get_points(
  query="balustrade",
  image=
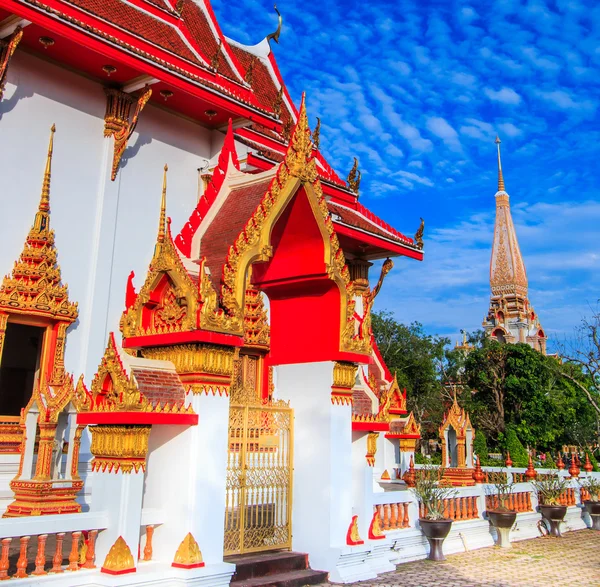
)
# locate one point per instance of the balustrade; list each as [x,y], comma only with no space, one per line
[148,545]
[518,502]
[457,508]
[393,516]
[81,554]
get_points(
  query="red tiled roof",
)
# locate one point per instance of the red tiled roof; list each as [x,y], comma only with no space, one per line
[159,385]
[202,34]
[228,223]
[358,219]
[262,83]
[138,23]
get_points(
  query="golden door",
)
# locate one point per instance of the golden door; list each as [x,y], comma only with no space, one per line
[258,505]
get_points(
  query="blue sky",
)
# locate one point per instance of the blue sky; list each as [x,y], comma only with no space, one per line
[417,91]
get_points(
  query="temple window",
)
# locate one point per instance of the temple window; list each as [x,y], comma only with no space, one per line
[19,366]
[499,336]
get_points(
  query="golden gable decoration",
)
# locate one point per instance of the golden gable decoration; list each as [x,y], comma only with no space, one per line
[253,243]
[172,307]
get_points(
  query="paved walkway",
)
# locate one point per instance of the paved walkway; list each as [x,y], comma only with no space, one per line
[573,560]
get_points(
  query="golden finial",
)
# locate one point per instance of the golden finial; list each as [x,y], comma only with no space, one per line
[354,177]
[162,225]
[45,198]
[275,35]
[500,176]
[317,134]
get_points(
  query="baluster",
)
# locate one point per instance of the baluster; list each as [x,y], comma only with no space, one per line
[394,519]
[465,509]
[517,500]
[528,501]
[90,553]
[4,559]
[405,520]
[58,556]
[148,545]
[74,554]
[475,512]
[22,562]
[386,517]
[470,508]
[40,559]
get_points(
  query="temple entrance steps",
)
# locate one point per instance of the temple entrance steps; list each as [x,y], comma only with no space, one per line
[274,569]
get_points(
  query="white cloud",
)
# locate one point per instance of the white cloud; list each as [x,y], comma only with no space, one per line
[408,179]
[504,95]
[440,128]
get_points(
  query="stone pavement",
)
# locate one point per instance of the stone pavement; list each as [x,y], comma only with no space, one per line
[573,560]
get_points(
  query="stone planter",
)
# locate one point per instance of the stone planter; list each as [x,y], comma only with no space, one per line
[503,521]
[554,515]
[436,532]
[593,509]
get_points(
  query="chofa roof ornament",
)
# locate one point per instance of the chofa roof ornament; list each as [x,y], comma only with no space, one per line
[277,33]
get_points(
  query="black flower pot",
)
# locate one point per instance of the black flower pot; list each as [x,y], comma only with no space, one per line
[503,522]
[593,509]
[435,532]
[554,514]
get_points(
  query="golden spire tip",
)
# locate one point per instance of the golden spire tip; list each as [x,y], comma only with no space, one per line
[163,208]
[500,175]
[45,197]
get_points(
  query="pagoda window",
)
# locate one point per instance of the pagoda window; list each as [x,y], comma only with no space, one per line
[452,448]
[19,366]
[499,336]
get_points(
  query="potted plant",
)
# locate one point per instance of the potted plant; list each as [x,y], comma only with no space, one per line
[431,495]
[592,504]
[502,517]
[549,490]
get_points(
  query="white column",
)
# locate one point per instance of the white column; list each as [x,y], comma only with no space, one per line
[322,496]
[119,494]
[187,468]
[362,484]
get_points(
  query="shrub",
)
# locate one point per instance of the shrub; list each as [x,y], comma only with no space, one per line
[480,447]
[518,454]
[549,463]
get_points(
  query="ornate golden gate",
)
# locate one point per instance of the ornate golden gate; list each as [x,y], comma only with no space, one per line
[259,474]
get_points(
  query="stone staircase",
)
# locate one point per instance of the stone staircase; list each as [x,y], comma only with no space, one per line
[274,569]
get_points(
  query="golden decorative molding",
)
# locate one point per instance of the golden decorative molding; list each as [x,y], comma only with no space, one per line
[120,123]
[51,399]
[249,76]
[119,448]
[278,102]
[353,537]
[195,358]
[372,438]
[256,319]
[188,555]
[7,48]
[344,375]
[34,287]
[119,559]
[112,389]
[341,399]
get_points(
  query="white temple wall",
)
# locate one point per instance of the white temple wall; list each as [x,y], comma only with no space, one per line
[103,229]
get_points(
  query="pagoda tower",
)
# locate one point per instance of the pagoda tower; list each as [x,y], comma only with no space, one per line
[511,318]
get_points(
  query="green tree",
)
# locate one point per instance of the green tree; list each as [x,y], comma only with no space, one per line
[416,359]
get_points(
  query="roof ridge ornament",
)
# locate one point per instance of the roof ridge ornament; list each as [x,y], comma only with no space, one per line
[162,223]
[500,176]
[7,48]
[419,235]
[299,158]
[354,178]
[277,33]
[317,134]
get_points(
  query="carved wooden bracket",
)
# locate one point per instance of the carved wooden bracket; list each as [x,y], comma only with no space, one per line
[119,122]
[7,47]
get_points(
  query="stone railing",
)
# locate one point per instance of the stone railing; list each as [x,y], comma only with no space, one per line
[69,550]
[457,508]
[393,516]
[567,497]
[518,502]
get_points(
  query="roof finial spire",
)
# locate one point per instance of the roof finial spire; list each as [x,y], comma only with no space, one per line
[45,198]
[500,176]
[277,33]
[162,225]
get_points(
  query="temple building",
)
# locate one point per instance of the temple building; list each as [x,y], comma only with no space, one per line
[511,318]
[208,384]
